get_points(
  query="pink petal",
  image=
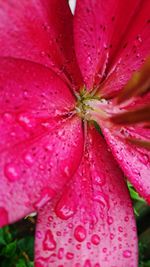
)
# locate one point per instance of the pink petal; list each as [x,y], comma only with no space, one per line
[134,161]
[40,31]
[132,52]
[40,145]
[100,27]
[98,228]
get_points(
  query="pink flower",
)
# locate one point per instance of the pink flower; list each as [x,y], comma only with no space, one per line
[52,158]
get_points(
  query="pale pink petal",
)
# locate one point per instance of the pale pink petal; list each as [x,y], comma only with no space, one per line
[95,227]
[40,31]
[40,142]
[100,27]
[133,50]
[134,161]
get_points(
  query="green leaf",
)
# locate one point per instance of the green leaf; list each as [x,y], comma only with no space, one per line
[9,250]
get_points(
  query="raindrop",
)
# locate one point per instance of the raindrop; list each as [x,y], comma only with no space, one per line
[11,172]
[127,253]
[60,253]
[26,121]
[46,195]
[110,220]
[49,243]
[120,229]
[69,255]
[64,212]
[39,234]
[95,239]
[87,263]
[8,117]
[28,159]
[80,233]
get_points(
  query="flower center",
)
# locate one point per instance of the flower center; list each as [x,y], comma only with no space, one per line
[89,106]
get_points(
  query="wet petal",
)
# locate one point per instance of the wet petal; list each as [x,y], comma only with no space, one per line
[40,31]
[133,51]
[99,29]
[133,159]
[95,226]
[40,145]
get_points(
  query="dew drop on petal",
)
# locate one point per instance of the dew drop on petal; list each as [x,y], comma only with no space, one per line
[60,253]
[120,229]
[26,121]
[69,255]
[46,195]
[109,220]
[87,263]
[3,217]
[49,242]
[127,253]
[8,117]
[95,239]
[80,233]
[64,212]
[28,159]
[11,172]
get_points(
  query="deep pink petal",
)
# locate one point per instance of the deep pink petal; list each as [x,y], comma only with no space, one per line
[40,31]
[98,227]
[100,27]
[132,52]
[134,161]
[40,146]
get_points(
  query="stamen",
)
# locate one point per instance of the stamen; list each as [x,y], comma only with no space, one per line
[141,115]
[140,143]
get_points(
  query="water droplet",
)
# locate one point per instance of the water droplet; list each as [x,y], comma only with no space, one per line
[58,233]
[110,220]
[87,263]
[46,195]
[8,117]
[49,243]
[60,253]
[78,246]
[66,171]
[69,255]
[99,180]
[26,121]
[39,234]
[104,250]
[95,239]
[127,253]
[11,172]
[80,233]
[112,236]
[120,229]
[126,218]
[28,159]
[3,217]
[64,212]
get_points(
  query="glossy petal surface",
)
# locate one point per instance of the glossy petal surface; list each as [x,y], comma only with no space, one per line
[40,145]
[95,226]
[99,28]
[133,50]
[40,31]
[134,161]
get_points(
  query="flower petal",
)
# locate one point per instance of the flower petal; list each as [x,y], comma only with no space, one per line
[134,160]
[98,228]
[40,31]
[40,147]
[132,52]
[99,29]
